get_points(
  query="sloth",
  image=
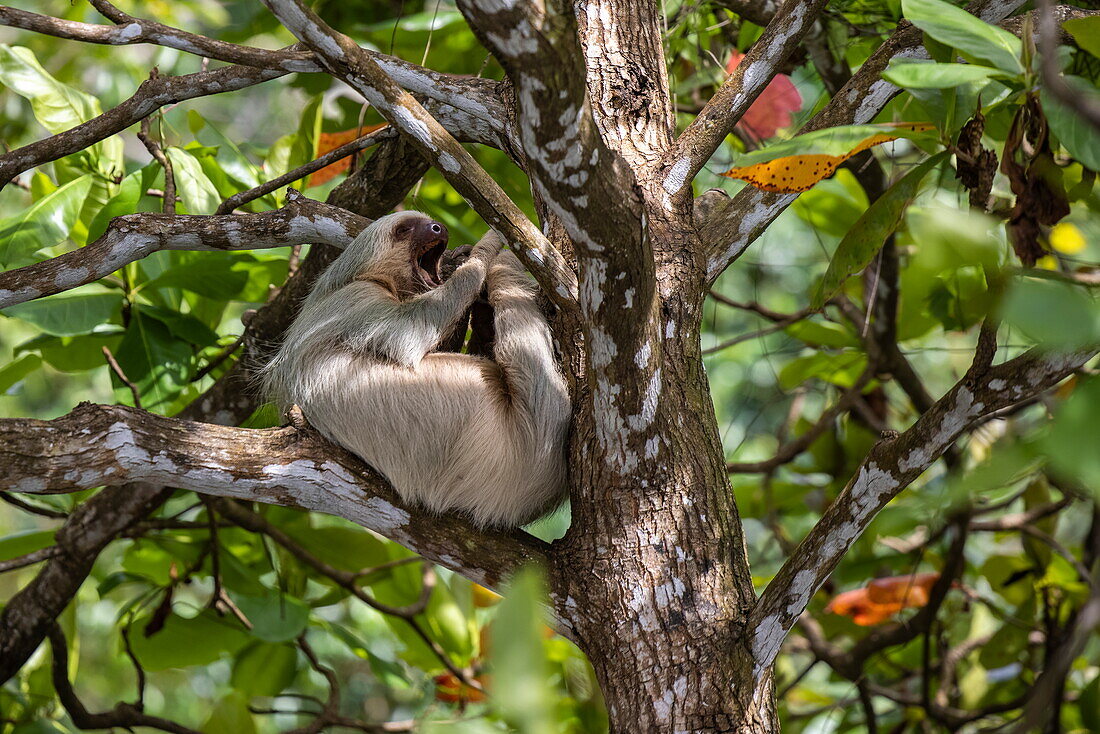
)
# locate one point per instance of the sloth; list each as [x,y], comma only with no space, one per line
[451,432]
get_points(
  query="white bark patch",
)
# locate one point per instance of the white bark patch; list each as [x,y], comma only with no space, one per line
[652,447]
[417,128]
[951,425]
[593,281]
[129,32]
[641,359]
[802,588]
[669,593]
[628,297]
[677,176]
[448,163]
[766,642]
[320,229]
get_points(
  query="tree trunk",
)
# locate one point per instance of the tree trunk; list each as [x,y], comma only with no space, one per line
[657,588]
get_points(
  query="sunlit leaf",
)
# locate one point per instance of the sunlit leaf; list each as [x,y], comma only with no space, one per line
[870,231]
[45,223]
[951,25]
[69,314]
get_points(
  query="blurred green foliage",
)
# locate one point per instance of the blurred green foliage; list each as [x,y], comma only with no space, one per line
[166,317]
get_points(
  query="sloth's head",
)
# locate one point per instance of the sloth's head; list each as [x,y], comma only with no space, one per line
[423,240]
[401,250]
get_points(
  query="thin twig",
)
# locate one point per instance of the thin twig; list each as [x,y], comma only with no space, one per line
[169,201]
[29,559]
[240,199]
[122,376]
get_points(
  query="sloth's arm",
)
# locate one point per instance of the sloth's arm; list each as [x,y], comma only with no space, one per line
[437,311]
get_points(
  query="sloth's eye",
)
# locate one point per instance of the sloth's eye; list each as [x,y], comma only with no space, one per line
[404,229]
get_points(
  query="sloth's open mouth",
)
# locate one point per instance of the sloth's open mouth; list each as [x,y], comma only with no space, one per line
[427,263]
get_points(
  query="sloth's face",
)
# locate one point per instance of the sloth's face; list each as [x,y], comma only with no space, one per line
[426,241]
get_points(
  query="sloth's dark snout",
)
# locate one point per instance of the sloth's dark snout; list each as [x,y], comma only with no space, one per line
[430,233]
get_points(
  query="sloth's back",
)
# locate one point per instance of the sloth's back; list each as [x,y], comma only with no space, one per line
[443,434]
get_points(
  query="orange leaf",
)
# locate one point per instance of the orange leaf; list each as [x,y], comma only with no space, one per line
[796,173]
[772,109]
[912,591]
[331,141]
[483,597]
[883,598]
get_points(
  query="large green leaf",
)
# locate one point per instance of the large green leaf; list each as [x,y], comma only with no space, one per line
[968,34]
[123,203]
[154,359]
[198,193]
[1056,315]
[69,314]
[264,669]
[870,231]
[928,75]
[1075,133]
[211,276]
[27,541]
[45,223]
[16,370]
[57,106]
[1086,31]
[183,641]
[275,617]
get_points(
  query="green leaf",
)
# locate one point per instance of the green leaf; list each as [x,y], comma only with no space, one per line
[521,693]
[1055,315]
[275,617]
[184,642]
[57,106]
[124,202]
[183,326]
[1075,133]
[198,193]
[212,276]
[73,353]
[1089,704]
[264,669]
[45,223]
[68,314]
[867,237]
[230,716]
[18,369]
[1086,32]
[26,541]
[971,35]
[349,549]
[154,359]
[822,334]
[1073,445]
[928,75]
[841,369]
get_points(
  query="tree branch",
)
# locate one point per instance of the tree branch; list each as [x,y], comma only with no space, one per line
[134,236]
[468,106]
[721,114]
[345,59]
[129,30]
[98,445]
[150,96]
[890,467]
